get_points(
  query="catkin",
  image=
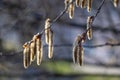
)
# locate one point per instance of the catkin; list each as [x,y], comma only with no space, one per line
[39,51]
[33,48]
[32,51]
[26,55]
[75,52]
[89,28]
[81,53]
[47,25]
[83,3]
[50,45]
[89,5]
[75,48]
[71,10]
[89,33]
[115,2]
[77,3]
[66,2]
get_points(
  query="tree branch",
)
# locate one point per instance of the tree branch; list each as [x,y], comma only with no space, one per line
[99,8]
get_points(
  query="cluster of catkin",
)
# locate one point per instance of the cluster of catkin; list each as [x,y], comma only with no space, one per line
[78,50]
[79,3]
[34,48]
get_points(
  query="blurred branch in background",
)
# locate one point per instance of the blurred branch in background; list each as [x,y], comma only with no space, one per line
[95,27]
[53,69]
[65,45]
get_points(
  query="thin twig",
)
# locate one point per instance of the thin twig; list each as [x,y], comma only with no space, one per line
[102,45]
[99,8]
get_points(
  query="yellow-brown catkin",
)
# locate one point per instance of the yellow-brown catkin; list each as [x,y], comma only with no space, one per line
[33,48]
[66,2]
[83,3]
[115,2]
[89,28]
[26,57]
[81,53]
[89,33]
[32,51]
[71,10]
[50,45]
[89,5]
[39,47]
[47,25]
[75,49]
[75,53]
[77,3]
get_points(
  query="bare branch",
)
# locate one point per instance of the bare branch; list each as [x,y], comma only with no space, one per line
[99,8]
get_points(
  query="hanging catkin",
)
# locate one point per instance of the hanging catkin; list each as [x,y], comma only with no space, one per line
[81,53]
[77,3]
[66,2]
[75,48]
[75,52]
[26,55]
[89,5]
[83,3]
[47,26]
[89,28]
[89,33]
[39,48]
[115,2]
[32,51]
[50,45]
[33,48]
[71,10]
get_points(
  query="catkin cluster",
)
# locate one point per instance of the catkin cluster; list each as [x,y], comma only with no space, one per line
[33,49]
[79,3]
[78,50]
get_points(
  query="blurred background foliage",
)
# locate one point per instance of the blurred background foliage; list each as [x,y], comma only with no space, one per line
[21,19]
